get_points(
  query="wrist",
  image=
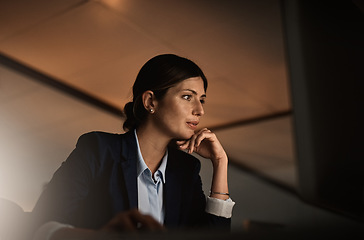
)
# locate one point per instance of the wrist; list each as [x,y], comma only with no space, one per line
[220,162]
[219,195]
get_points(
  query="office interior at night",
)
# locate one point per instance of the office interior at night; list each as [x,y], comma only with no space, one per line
[285,98]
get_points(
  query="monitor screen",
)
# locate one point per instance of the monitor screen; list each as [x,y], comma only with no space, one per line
[324,43]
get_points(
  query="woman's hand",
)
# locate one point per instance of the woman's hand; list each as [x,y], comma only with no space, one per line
[131,221]
[205,143]
[124,222]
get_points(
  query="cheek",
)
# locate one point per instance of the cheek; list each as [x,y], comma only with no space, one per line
[168,117]
[174,113]
[180,113]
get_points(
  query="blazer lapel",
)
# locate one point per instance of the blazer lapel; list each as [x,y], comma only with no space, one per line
[128,162]
[172,191]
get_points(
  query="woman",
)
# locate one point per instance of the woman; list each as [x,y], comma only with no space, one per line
[145,178]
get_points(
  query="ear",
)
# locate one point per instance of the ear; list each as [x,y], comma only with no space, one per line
[149,101]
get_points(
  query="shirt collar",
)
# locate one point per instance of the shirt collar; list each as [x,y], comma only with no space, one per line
[141,166]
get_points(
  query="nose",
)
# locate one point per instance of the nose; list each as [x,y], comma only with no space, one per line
[198,109]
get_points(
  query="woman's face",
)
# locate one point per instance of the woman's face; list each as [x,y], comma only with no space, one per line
[178,114]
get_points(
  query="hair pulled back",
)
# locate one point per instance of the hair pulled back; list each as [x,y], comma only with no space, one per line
[158,75]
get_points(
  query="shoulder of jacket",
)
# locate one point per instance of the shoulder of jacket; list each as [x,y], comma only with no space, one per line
[100,134]
[97,137]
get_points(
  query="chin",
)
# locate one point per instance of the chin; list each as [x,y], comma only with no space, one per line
[187,136]
[183,136]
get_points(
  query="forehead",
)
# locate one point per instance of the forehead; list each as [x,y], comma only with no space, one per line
[196,84]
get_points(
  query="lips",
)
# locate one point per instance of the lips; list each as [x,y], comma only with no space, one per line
[192,124]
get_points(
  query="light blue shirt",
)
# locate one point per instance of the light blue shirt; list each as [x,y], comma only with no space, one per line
[150,188]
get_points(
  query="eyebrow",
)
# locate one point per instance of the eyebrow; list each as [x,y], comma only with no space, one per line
[194,92]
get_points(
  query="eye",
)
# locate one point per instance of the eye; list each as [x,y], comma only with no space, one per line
[202,101]
[187,97]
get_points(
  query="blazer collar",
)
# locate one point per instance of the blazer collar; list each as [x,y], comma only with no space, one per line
[129,166]
[172,187]
[172,190]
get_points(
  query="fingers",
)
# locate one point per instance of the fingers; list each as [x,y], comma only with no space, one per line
[132,221]
[204,133]
[121,222]
[182,144]
[146,222]
[194,142]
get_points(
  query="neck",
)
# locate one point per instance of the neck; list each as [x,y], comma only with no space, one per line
[152,145]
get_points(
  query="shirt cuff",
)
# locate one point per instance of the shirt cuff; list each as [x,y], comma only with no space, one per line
[219,207]
[46,230]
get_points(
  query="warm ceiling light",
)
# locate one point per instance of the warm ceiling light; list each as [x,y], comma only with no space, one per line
[116,4]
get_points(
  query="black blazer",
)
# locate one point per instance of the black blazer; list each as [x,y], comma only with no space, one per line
[99,180]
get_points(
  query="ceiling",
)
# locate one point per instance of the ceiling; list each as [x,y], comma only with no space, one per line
[98,46]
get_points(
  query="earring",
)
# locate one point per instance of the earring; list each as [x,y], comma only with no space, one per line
[151,110]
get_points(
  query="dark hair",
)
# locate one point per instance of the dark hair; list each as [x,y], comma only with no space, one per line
[158,75]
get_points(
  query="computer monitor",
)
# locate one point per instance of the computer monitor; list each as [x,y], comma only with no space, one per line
[325,54]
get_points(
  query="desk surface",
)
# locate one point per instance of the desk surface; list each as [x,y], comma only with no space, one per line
[271,234]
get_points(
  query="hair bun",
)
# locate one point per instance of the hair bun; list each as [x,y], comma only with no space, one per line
[130,121]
